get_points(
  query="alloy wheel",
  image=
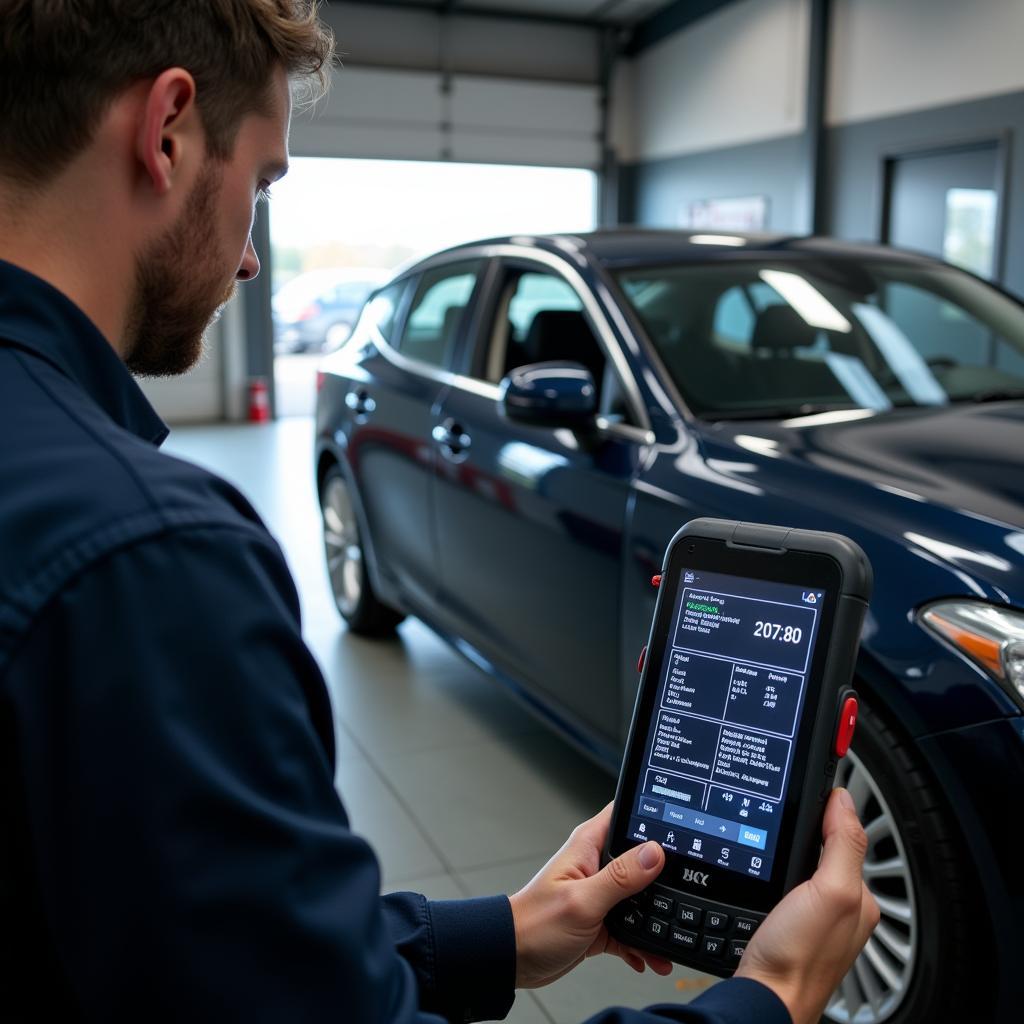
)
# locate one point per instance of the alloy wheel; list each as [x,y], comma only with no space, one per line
[343,549]
[877,983]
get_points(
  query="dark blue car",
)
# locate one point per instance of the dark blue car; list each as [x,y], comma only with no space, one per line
[517,427]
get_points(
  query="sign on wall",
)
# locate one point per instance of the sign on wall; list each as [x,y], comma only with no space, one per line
[738,213]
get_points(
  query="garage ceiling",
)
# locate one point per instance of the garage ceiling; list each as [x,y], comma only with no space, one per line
[586,12]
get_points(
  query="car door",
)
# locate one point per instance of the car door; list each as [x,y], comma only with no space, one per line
[393,408]
[529,518]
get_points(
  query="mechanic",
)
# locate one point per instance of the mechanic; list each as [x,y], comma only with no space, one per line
[173,846]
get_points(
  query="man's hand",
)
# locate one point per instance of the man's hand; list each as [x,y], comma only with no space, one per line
[559,915]
[810,940]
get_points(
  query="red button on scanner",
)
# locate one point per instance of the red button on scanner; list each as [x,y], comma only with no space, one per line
[847,723]
[656,580]
[642,659]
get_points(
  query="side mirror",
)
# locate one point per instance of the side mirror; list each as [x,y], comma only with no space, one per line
[550,394]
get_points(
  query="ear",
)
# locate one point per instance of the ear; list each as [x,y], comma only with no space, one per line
[168,118]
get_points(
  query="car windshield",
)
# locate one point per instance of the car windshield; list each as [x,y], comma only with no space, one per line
[778,338]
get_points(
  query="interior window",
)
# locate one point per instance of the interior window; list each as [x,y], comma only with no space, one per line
[437,310]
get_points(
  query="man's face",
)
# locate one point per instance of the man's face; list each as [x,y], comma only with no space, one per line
[184,278]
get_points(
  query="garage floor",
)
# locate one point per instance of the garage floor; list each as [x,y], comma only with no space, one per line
[460,791]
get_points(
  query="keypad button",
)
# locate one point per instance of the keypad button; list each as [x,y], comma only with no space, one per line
[713,945]
[683,937]
[734,951]
[716,921]
[633,919]
[662,904]
[658,928]
[689,915]
[744,927]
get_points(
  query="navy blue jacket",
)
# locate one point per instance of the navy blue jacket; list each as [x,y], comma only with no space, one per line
[171,843]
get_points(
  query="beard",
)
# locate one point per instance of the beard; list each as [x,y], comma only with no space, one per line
[179,287]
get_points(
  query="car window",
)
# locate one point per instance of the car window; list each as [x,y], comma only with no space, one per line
[734,318]
[948,334]
[534,293]
[437,310]
[382,310]
[540,317]
[774,339]
[737,310]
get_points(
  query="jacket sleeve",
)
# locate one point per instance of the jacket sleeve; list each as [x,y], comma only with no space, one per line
[736,1001]
[463,953]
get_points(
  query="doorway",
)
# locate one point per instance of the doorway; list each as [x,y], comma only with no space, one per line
[340,227]
[947,203]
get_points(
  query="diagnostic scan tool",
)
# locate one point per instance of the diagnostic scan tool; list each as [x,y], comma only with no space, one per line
[743,711]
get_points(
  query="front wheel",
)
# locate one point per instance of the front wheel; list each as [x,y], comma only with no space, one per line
[917,964]
[359,606]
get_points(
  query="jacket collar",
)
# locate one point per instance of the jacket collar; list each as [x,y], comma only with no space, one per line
[36,316]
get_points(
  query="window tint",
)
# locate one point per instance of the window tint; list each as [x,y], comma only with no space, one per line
[437,311]
[737,310]
[780,339]
[352,293]
[734,318]
[540,318]
[382,310]
[945,332]
[536,292]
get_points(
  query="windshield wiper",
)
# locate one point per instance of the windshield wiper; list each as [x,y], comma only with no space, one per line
[781,412]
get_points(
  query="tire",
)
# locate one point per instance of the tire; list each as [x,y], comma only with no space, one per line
[353,594]
[918,962]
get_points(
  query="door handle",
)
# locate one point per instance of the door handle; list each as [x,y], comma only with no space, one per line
[360,402]
[453,440]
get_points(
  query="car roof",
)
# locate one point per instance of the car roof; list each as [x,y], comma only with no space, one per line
[637,247]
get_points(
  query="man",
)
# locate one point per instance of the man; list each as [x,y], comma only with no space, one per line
[172,845]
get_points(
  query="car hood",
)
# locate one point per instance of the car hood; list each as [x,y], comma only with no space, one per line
[966,458]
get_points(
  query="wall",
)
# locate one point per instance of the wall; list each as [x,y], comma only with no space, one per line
[855,154]
[903,75]
[916,75]
[659,192]
[215,389]
[889,58]
[194,397]
[716,111]
[734,77]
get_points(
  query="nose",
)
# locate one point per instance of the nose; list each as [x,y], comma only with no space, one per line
[250,265]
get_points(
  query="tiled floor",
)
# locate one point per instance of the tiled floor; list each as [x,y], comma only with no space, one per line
[460,791]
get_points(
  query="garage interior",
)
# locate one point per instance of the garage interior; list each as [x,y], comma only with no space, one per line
[793,117]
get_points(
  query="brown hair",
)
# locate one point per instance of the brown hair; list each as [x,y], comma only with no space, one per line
[63,61]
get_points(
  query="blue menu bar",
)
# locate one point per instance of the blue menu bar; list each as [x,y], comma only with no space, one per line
[698,821]
[684,817]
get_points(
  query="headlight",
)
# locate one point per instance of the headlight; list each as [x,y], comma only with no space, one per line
[991,637]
